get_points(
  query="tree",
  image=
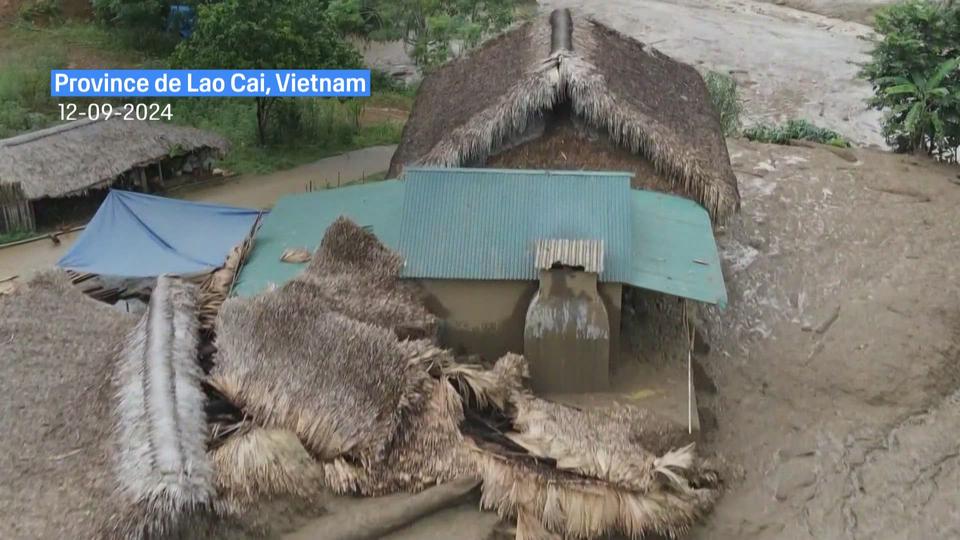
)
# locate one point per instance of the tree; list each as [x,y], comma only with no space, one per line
[433,30]
[914,79]
[265,34]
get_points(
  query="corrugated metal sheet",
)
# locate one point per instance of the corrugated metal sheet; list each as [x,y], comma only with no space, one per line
[673,248]
[301,221]
[484,223]
[587,254]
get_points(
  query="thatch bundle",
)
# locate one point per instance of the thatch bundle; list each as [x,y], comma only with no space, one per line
[352,273]
[645,102]
[216,286]
[159,444]
[259,463]
[74,157]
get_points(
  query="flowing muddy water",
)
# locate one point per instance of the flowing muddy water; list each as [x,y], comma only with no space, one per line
[255,191]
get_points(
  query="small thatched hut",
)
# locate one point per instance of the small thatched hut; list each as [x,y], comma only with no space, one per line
[39,169]
[571,93]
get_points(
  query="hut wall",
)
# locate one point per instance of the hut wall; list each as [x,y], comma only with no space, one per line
[487,318]
[16,213]
[567,143]
[16,216]
[60,211]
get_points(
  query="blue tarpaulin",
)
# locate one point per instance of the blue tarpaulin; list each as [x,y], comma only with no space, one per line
[137,235]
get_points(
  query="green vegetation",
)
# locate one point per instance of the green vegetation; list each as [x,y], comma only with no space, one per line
[302,130]
[915,72]
[794,130]
[130,34]
[15,236]
[262,34]
[41,11]
[726,100]
[433,30]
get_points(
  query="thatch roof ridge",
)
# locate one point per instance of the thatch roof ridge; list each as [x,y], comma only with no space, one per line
[646,102]
[164,475]
[71,158]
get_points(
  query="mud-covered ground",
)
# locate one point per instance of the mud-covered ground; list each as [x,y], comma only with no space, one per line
[860,11]
[788,63]
[837,363]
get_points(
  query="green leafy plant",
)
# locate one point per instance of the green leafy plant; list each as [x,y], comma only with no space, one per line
[726,100]
[261,34]
[914,72]
[794,130]
[919,104]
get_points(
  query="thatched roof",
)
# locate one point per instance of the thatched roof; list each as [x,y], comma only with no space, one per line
[648,103]
[56,356]
[71,158]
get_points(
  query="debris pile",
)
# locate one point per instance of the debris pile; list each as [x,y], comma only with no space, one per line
[333,382]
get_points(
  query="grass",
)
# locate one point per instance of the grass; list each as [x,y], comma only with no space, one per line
[314,129]
[726,100]
[795,130]
[16,236]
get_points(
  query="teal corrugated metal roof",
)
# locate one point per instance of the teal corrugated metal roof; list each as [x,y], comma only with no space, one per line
[673,248]
[485,223]
[301,221]
[477,224]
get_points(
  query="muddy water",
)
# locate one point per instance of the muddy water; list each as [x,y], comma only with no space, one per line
[256,191]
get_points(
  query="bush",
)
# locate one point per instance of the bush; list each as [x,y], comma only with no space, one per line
[726,100]
[41,11]
[913,70]
[794,130]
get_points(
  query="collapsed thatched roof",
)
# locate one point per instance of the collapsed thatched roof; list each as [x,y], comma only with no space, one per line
[56,351]
[382,414]
[648,103]
[163,473]
[86,154]
[346,311]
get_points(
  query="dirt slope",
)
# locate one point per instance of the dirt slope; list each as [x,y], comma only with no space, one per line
[837,365]
[789,63]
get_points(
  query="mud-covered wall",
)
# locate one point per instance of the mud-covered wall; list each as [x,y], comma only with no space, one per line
[567,338]
[561,141]
[487,317]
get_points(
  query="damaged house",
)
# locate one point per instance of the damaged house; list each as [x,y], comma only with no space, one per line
[495,213]
[56,174]
[369,343]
